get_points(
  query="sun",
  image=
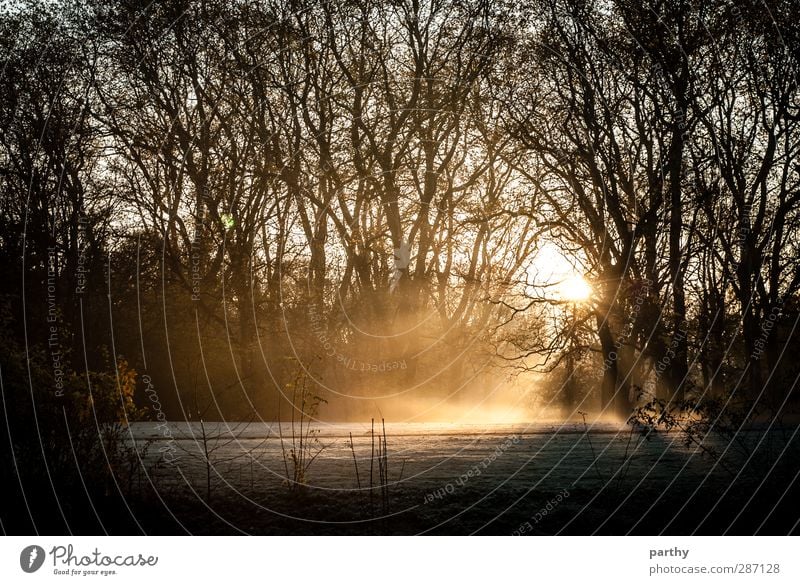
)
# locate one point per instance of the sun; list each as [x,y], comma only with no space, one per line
[574,289]
[550,269]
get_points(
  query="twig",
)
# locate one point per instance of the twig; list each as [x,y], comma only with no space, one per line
[371,463]
[385,470]
[626,460]
[280,433]
[589,438]
[208,461]
[355,461]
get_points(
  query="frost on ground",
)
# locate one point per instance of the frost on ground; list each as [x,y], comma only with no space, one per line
[462,479]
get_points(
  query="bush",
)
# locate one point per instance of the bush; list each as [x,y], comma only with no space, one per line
[64,458]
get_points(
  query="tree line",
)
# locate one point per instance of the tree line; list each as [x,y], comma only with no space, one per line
[219,194]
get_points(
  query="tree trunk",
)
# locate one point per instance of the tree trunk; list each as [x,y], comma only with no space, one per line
[679,352]
[614,392]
